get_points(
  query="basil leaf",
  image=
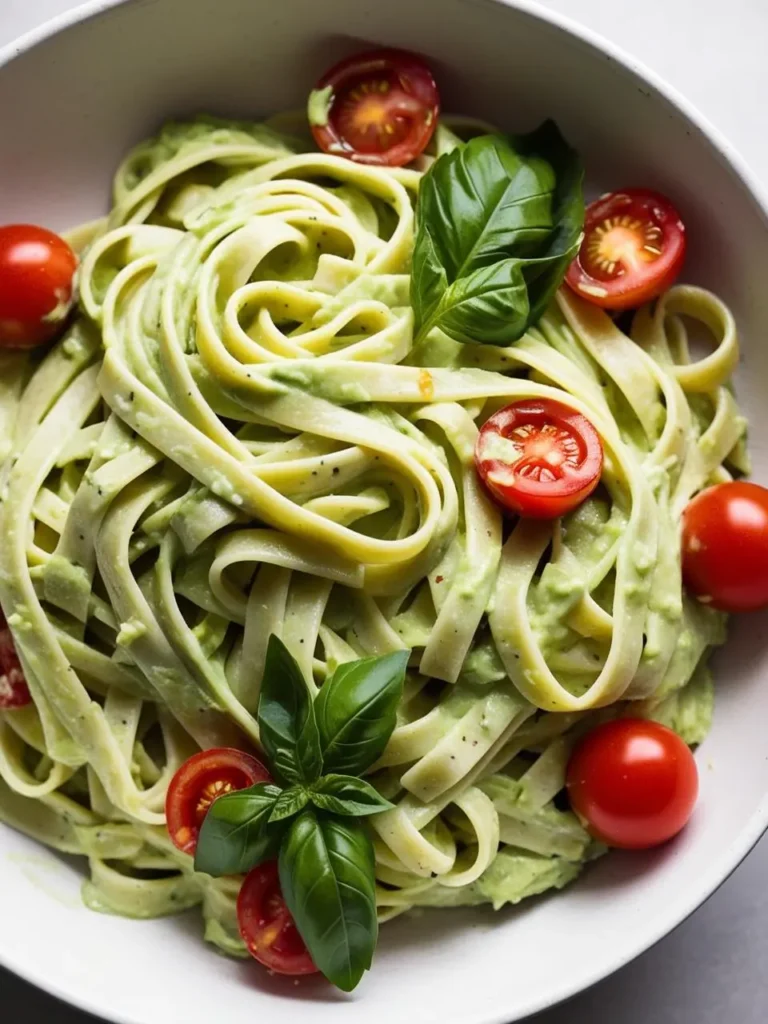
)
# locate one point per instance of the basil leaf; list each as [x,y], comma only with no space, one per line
[497,224]
[342,794]
[287,726]
[234,835]
[356,711]
[290,802]
[326,869]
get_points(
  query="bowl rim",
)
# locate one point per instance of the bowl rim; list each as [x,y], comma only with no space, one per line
[743,843]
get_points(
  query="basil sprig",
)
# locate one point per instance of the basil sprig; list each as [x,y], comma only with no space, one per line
[310,820]
[498,222]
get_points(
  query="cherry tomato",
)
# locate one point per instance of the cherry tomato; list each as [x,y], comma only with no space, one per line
[539,458]
[201,780]
[376,108]
[266,925]
[37,270]
[633,249]
[634,782]
[14,692]
[725,546]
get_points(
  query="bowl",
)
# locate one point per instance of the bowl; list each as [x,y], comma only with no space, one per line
[73,97]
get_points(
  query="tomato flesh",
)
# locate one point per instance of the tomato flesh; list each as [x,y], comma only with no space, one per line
[201,780]
[37,270]
[266,925]
[376,108]
[634,782]
[633,249]
[539,458]
[725,546]
[14,692]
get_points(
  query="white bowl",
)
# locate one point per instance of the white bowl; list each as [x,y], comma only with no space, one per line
[73,97]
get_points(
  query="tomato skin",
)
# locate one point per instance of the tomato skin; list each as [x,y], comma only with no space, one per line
[14,692]
[382,108]
[555,463]
[633,249]
[37,270]
[725,546]
[266,925]
[202,779]
[634,782]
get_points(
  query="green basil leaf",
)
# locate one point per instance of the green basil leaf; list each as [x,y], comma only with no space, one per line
[356,711]
[497,224]
[288,730]
[341,794]
[290,802]
[234,836]
[326,869]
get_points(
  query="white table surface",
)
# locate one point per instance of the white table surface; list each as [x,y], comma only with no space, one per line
[712,969]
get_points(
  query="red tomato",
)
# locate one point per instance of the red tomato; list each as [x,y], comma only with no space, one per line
[633,249]
[634,782]
[376,108]
[37,270]
[201,780]
[266,925]
[539,458]
[725,546]
[14,692]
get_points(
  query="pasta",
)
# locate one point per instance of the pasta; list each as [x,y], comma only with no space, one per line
[237,436]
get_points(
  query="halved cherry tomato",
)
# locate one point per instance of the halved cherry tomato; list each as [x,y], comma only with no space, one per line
[266,925]
[725,546]
[14,692]
[376,108]
[633,249]
[634,782]
[37,270]
[201,780]
[539,458]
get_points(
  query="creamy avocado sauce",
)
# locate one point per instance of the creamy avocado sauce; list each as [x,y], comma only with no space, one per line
[319,106]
